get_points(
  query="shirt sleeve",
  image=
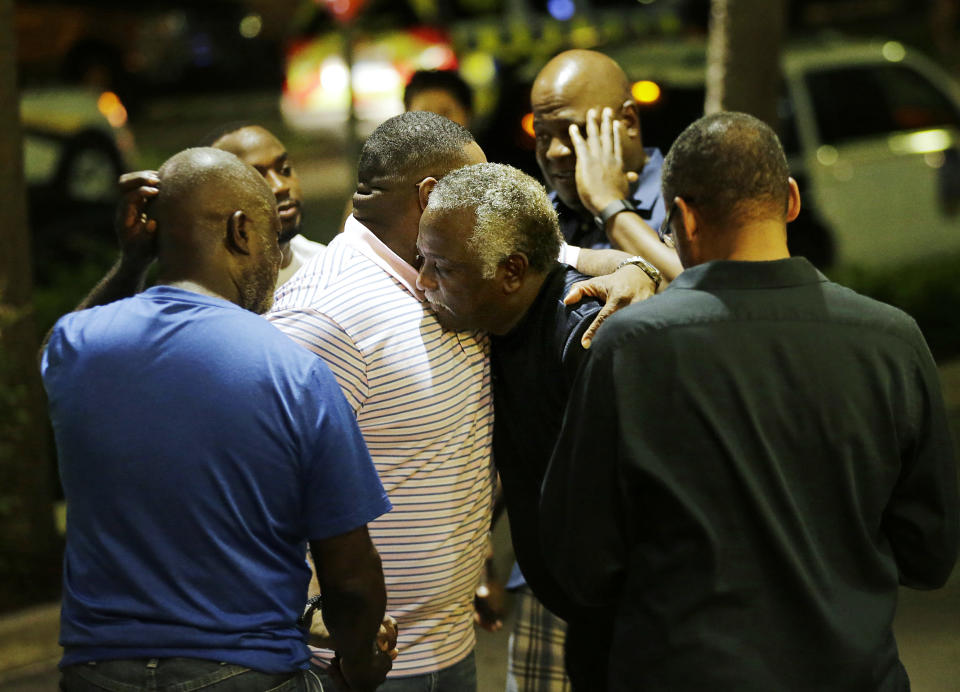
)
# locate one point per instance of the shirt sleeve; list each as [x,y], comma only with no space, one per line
[580,510]
[324,337]
[341,488]
[922,519]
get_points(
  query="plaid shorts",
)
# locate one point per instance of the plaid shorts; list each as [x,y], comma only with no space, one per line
[535,656]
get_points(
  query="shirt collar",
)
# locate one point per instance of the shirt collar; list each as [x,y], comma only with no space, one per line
[165,292]
[647,191]
[359,237]
[721,274]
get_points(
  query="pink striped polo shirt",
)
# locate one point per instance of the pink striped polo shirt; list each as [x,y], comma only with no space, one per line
[423,403]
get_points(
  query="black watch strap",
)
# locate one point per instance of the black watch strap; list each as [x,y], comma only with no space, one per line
[611,210]
[314,604]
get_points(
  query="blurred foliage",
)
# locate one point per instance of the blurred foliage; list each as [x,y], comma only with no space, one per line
[928,291]
[23,578]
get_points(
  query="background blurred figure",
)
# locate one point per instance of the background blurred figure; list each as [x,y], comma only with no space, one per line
[443,92]
[258,147]
[199,451]
[749,506]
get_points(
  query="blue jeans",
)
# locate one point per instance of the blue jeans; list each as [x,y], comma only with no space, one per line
[460,677]
[180,675]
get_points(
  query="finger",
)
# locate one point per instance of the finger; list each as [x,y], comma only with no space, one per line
[135,179]
[607,310]
[576,139]
[606,133]
[575,294]
[618,146]
[593,131]
[393,653]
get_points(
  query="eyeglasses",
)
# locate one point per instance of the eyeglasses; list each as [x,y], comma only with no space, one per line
[666,231]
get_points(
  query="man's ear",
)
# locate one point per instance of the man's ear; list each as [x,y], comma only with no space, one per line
[512,272]
[630,115]
[793,200]
[238,234]
[688,217]
[424,187]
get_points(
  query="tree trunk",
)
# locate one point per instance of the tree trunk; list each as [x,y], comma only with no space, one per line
[743,57]
[29,549]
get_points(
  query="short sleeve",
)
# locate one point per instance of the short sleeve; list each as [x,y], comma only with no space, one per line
[322,336]
[342,490]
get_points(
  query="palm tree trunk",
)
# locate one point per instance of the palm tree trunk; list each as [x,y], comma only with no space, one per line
[29,553]
[743,57]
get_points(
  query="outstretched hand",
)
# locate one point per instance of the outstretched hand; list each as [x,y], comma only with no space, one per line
[136,232]
[626,286]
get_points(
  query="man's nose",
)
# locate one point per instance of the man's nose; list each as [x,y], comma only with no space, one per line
[278,184]
[558,149]
[424,282]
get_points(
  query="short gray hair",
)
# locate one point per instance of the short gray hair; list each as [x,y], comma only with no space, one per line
[514,214]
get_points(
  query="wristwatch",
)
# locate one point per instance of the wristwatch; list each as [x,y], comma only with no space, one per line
[655,276]
[611,210]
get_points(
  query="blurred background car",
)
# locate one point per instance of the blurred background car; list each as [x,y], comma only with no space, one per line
[76,143]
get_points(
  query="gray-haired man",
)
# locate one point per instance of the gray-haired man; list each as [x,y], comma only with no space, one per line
[489,240]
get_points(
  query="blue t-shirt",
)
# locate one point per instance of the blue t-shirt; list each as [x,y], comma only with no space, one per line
[199,449]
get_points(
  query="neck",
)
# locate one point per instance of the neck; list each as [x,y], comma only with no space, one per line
[394,235]
[758,241]
[286,255]
[518,304]
[194,287]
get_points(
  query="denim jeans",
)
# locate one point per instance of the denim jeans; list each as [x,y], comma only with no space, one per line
[180,675]
[460,677]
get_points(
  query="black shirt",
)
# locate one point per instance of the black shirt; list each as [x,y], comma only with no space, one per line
[533,368]
[750,463]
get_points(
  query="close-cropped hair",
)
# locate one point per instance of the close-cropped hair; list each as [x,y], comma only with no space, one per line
[444,80]
[513,214]
[411,146]
[727,164]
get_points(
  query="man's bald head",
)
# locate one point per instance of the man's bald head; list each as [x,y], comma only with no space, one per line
[567,87]
[217,224]
[582,75]
[204,185]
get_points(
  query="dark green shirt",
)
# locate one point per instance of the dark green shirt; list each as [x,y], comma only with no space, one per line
[750,464]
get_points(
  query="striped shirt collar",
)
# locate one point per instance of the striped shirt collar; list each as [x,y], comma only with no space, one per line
[364,241]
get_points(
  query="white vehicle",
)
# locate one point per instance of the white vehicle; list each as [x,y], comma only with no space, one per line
[871,130]
[75,142]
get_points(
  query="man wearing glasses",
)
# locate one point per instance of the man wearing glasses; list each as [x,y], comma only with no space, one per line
[753,460]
